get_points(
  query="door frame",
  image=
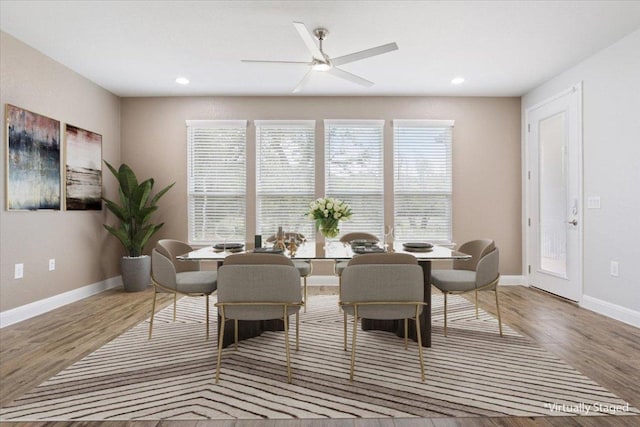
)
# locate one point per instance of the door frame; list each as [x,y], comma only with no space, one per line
[527,259]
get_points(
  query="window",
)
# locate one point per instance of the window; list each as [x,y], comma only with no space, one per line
[354,171]
[216,167]
[285,175]
[422,180]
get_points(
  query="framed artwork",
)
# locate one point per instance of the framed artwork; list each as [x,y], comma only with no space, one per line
[33,160]
[83,169]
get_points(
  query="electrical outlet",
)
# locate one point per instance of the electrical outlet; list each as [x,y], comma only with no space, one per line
[615,269]
[52,264]
[593,202]
[18,271]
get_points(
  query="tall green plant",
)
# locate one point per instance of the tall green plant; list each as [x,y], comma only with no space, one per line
[134,210]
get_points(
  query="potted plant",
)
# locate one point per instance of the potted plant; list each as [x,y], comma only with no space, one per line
[134,214]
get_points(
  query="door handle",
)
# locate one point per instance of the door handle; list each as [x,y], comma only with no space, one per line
[574,222]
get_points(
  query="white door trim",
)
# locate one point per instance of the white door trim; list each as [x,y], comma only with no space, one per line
[526,230]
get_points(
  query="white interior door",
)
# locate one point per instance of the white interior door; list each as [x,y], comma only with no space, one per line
[554,160]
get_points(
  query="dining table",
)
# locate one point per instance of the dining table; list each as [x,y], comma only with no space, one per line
[337,251]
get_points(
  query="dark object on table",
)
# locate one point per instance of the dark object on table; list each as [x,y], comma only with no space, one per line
[224,246]
[417,246]
[367,249]
[268,250]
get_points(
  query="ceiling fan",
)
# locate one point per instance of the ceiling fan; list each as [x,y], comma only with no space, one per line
[320,61]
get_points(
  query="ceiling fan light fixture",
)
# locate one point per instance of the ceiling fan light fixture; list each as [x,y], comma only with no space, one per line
[321,66]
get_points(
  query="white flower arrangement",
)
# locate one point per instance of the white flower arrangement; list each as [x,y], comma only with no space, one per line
[327,213]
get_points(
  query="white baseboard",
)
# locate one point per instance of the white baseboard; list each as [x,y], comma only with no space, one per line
[24,312]
[614,311]
[513,281]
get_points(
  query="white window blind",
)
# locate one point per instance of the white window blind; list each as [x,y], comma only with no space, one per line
[216,167]
[354,171]
[422,180]
[285,175]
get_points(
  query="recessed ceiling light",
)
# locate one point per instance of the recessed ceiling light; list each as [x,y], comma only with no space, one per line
[182,80]
[457,81]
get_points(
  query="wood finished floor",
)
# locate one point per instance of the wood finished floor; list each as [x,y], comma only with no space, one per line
[603,349]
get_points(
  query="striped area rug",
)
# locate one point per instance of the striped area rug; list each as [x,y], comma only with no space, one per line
[473,372]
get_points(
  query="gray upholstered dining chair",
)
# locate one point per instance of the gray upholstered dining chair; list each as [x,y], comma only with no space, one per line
[171,248]
[165,278]
[304,266]
[385,286]
[256,286]
[476,274]
[346,239]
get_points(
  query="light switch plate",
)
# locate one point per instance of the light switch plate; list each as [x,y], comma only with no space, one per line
[52,264]
[18,271]
[615,269]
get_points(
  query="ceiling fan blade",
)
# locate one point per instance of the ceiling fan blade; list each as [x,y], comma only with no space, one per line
[308,40]
[356,56]
[348,76]
[303,82]
[276,62]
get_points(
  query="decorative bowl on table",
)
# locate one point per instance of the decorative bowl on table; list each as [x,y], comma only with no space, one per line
[229,247]
[417,246]
[367,249]
[268,250]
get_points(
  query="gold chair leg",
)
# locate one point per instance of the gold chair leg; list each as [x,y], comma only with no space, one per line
[339,291]
[235,333]
[445,314]
[498,310]
[207,316]
[353,343]
[297,330]
[406,334]
[153,312]
[286,342]
[220,338]
[345,330]
[477,317]
[175,301]
[419,336]
[304,279]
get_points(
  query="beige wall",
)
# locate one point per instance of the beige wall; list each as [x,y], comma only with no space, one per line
[76,240]
[486,156]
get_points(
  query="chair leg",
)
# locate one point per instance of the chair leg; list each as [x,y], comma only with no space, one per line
[304,280]
[477,317]
[353,343]
[339,292]
[286,342]
[297,330]
[498,310]
[406,334]
[220,338]
[235,333]
[419,336]
[207,316]
[175,301]
[445,314]
[344,323]
[153,312]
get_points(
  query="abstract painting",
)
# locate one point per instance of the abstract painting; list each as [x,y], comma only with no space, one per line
[83,172]
[33,160]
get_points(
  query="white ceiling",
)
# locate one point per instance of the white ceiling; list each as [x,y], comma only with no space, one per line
[138,48]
